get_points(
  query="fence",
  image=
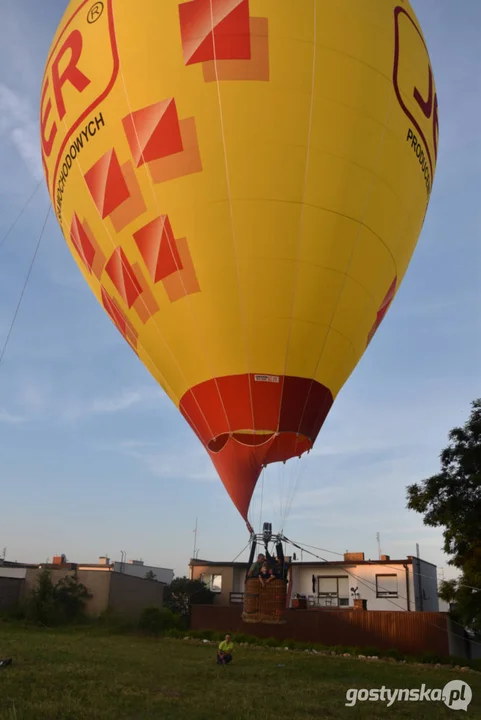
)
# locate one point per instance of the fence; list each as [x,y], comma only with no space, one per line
[409,632]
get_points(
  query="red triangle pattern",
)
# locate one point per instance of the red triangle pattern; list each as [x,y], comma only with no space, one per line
[153,132]
[158,248]
[231,33]
[122,275]
[82,243]
[106,184]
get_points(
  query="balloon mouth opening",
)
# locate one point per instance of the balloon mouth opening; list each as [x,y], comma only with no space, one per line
[255,438]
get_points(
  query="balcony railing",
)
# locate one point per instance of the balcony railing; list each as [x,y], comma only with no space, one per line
[321,601]
[328,601]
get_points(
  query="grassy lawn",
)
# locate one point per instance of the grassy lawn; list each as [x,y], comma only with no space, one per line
[85,674]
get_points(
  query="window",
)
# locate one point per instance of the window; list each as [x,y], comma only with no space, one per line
[213,582]
[216,583]
[386,586]
[333,590]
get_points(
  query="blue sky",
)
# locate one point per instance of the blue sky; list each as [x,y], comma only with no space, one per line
[94,459]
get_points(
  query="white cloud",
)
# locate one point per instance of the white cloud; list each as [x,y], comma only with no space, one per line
[115,404]
[169,460]
[9,418]
[34,396]
[103,405]
[18,123]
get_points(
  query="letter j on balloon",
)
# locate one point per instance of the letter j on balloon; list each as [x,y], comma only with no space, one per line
[242,184]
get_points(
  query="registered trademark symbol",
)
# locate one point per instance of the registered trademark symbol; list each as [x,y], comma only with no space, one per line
[95,12]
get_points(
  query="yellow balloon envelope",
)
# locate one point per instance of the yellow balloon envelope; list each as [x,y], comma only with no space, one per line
[242,184]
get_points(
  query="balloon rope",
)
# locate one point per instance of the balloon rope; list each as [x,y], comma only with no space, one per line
[239,554]
[32,262]
[2,241]
[127,270]
[280,476]
[345,273]
[232,222]
[262,498]
[195,323]
[303,206]
[300,469]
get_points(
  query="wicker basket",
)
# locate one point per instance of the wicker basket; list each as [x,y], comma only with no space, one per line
[264,604]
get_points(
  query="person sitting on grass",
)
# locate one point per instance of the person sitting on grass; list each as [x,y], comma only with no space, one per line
[224,652]
[266,575]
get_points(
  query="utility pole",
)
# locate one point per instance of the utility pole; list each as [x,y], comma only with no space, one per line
[378,538]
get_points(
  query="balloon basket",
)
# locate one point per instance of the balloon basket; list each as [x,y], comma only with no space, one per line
[265,604]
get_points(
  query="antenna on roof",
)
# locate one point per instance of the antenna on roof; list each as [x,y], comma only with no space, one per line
[195,540]
[417,549]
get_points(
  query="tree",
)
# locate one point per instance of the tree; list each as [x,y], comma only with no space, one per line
[70,598]
[150,575]
[51,604]
[182,593]
[452,499]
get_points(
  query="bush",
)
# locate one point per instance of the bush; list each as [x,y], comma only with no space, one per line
[175,633]
[116,622]
[182,593]
[158,620]
[393,653]
[429,658]
[58,604]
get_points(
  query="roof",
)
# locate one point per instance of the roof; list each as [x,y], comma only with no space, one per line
[296,563]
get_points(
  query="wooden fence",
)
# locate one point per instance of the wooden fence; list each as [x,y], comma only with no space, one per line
[408,632]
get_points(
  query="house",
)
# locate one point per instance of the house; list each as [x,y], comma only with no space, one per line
[409,584]
[124,593]
[137,568]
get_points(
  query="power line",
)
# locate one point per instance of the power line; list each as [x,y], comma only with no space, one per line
[391,567]
[366,583]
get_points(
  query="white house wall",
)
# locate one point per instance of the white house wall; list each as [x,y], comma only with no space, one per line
[239,580]
[161,574]
[362,576]
[13,572]
[425,586]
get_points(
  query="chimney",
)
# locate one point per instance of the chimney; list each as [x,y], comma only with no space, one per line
[385,557]
[58,559]
[353,557]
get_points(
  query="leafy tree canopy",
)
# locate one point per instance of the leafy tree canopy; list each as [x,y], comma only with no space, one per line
[452,499]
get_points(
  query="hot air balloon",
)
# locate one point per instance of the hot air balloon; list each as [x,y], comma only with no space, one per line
[242,184]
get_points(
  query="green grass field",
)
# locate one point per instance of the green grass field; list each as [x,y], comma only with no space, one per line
[85,675]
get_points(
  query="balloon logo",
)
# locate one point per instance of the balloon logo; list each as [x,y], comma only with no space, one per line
[242,184]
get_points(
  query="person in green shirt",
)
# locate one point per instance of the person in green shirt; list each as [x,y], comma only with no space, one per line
[224,652]
[255,568]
